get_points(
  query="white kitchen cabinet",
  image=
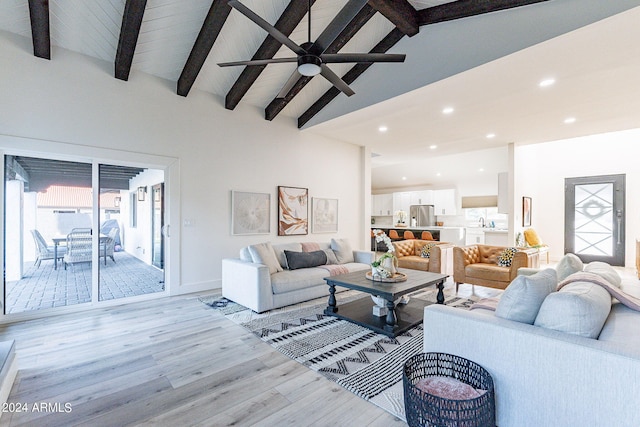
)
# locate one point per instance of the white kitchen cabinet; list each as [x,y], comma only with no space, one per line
[474,236]
[424,197]
[503,192]
[445,202]
[401,202]
[382,205]
[496,238]
[453,235]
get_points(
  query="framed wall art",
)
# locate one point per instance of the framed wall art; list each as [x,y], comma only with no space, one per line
[526,211]
[250,213]
[324,215]
[293,211]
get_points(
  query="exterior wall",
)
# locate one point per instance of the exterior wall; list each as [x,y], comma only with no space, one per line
[72,104]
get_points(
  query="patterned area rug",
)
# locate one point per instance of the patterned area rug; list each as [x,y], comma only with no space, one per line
[362,361]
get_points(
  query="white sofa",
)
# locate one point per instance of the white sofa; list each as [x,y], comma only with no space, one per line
[263,287]
[544,377]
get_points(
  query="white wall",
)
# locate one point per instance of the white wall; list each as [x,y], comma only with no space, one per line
[75,100]
[540,171]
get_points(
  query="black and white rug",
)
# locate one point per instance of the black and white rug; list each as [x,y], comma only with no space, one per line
[362,361]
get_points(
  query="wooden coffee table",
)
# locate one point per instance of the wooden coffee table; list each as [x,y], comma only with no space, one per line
[399,317]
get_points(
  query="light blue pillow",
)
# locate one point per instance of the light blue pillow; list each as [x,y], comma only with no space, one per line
[522,299]
[568,265]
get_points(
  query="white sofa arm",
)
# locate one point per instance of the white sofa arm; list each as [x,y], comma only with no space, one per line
[542,377]
[363,257]
[247,283]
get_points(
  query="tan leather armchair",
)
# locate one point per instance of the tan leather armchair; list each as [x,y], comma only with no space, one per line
[440,258]
[478,265]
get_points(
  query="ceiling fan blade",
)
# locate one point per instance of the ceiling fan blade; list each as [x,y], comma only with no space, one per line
[339,23]
[362,57]
[289,84]
[336,81]
[273,31]
[258,62]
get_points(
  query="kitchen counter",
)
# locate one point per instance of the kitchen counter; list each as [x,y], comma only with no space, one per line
[453,235]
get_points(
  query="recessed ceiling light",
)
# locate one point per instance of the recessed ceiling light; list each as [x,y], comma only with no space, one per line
[481,170]
[433,147]
[547,82]
[491,135]
[438,174]
[383,129]
[569,120]
[404,178]
[447,110]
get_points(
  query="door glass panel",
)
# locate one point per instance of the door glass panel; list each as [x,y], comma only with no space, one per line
[127,235]
[594,219]
[47,265]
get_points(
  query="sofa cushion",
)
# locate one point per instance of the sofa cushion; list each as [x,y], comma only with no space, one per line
[343,250]
[521,300]
[568,265]
[245,255]
[293,280]
[605,271]
[506,257]
[414,262]
[488,272]
[579,308]
[263,253]
[296,260]
[621,327]
[281,247]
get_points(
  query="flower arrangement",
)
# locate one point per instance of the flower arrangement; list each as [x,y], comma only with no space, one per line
[402,216]
[379,266]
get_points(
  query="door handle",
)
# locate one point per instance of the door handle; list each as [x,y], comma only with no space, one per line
[165,230]
[619,215]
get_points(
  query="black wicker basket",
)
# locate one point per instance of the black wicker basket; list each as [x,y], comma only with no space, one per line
[423,409]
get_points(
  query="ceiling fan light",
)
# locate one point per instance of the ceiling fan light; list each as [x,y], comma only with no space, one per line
[309,65]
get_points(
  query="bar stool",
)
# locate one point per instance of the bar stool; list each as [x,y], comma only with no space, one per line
[426,235]
[408,235]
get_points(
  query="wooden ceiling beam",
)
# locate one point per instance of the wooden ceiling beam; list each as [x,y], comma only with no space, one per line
[400,13]
[211,27]
[40,32]
[129,31]
[465,8]
[288,21]
[278,104]
[385,44]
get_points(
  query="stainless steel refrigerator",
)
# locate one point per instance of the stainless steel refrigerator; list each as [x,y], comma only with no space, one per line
[424,216]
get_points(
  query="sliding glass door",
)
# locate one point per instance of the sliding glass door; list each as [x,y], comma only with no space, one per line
[79,233]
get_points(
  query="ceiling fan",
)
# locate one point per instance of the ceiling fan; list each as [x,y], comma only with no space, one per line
[310,57]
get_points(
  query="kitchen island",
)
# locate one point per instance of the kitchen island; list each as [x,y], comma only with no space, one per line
[453,235]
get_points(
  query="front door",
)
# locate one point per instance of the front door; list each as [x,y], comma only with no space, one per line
[595,218]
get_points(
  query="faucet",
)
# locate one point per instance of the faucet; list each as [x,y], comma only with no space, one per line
[481,221]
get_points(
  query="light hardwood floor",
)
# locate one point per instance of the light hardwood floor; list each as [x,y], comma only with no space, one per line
[168,362]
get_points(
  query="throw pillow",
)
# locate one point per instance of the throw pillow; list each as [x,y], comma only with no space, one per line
[605,271]
[579,308]
[279,250]
[568,265]
[331,256]
[342,249]
[506,257]
[531,237]
[426,250]
[263,254]
[521,300]
[297,260]
[310,247]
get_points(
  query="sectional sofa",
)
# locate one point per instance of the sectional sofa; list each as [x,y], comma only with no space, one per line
[569,358]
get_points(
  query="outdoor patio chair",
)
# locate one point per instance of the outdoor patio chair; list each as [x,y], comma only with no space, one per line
[109,246]
[78,247]
[44,251]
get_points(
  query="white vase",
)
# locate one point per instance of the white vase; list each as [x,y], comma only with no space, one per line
[389,264]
